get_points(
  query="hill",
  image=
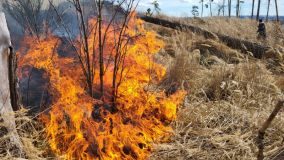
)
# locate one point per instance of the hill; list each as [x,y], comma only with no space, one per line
[211,66]
[230,93]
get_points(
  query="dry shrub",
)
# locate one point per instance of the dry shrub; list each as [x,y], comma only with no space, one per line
[30,133]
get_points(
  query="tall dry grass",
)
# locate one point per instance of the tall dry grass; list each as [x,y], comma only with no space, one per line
[227,101]
[31,134]
[230,95]
[242,28]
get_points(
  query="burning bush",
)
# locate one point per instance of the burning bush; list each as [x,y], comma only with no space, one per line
[83,126]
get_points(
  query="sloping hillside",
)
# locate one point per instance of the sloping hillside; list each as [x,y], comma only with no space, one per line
[230,95]
[239,28]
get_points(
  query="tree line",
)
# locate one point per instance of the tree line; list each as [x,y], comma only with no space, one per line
[229,5]
[222,7]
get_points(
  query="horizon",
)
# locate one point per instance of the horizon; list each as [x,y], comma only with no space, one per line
[182,8]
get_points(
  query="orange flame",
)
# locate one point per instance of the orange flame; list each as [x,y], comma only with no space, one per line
[77,127]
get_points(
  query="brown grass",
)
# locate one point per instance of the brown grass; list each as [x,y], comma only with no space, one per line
[240,28]
[230,95]
[30,132]
[227,101]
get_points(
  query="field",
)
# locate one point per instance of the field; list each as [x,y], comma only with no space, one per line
[230,94]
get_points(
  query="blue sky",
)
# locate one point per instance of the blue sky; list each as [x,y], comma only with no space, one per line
[183,7]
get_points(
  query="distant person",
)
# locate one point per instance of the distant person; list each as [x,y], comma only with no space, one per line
[261,30]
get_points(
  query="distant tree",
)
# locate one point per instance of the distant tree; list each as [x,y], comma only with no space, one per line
[224,7]
[194,11]
[202,6]
[149,12]
[258,10]
[252,8]
[210,3]
[267,14]
[229,7]
[157,8]
[238,8]
[221,8]
[277,16]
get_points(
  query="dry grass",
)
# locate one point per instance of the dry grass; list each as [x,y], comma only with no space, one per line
[230,95]
[213,48]
[245,29]
[228,100]
[241,28]
[280,82]
[30,133]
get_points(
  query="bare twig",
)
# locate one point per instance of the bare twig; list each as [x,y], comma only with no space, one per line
[264,127]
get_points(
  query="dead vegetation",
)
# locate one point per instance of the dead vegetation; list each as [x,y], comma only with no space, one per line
[230,95]
[244,29]
[31,134]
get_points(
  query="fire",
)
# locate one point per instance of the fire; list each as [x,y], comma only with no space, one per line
[81,127]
